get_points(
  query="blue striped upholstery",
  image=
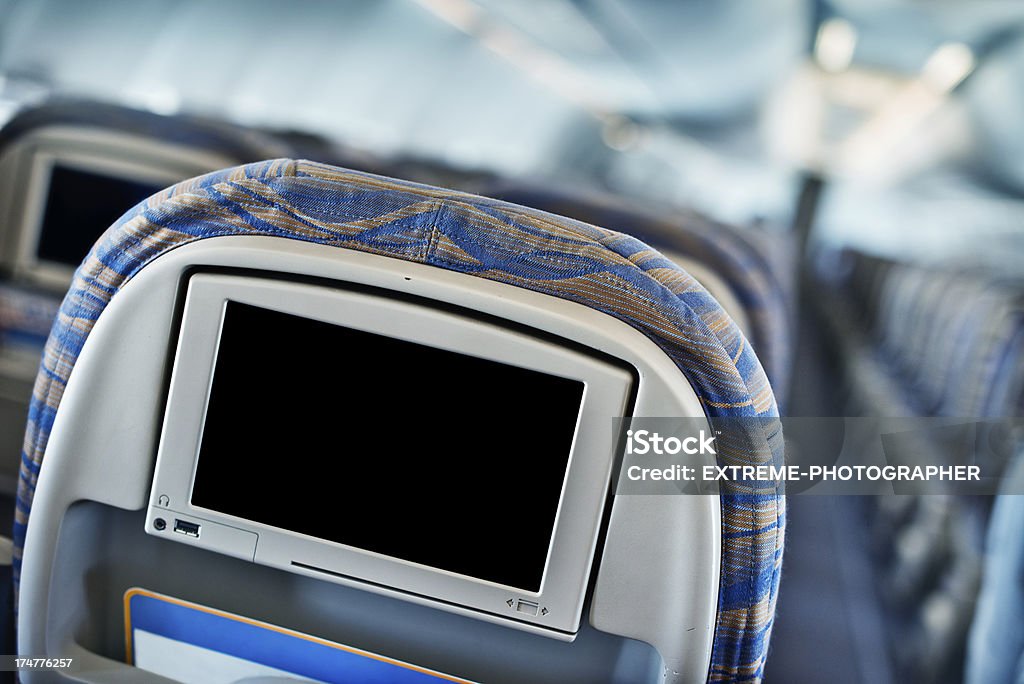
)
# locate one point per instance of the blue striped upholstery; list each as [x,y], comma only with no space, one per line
[927,340]
[952,338]
[489,239]
[758,282]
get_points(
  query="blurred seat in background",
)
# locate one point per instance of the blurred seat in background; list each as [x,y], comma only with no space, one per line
[68,170]
[995,650]
[920,340]
[948,338]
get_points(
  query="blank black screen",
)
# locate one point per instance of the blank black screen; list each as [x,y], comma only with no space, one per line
[394,447]
[80,206]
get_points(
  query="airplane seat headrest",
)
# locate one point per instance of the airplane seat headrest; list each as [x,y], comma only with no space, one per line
[491,240]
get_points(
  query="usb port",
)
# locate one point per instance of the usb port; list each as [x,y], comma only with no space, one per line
[184,527]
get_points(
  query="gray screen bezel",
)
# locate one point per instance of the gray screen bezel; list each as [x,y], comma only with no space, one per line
[557,606]
[43,165]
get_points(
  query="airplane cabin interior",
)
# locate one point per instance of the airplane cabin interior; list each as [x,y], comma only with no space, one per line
[511,341]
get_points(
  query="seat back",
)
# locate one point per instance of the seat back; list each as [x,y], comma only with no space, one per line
[681,588]
[68,170]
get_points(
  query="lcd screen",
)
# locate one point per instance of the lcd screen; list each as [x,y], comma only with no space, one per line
[80,206]
[389,446]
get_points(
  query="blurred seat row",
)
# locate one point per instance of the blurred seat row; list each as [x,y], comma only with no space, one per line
[950,338]
[927,341]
